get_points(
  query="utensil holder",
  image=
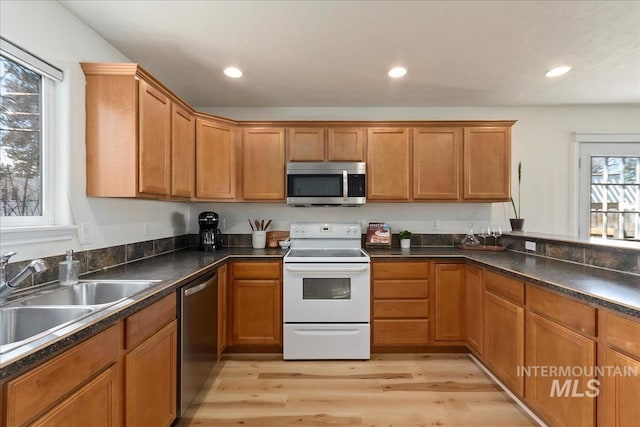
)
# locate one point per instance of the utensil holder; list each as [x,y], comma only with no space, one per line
[259,239]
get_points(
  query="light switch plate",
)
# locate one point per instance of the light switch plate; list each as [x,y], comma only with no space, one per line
[530,246]
[85,233]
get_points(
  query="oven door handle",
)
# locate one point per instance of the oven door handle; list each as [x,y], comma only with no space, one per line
[327,269]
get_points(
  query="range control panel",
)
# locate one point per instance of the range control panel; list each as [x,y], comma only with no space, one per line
[316,230]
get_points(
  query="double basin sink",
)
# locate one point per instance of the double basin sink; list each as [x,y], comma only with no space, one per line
[25,320]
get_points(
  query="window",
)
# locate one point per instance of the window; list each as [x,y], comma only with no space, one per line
[609,205]
[26,91]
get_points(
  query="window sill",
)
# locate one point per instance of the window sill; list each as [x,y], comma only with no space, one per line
[37,234]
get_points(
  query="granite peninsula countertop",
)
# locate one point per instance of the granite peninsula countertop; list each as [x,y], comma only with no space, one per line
[614,290]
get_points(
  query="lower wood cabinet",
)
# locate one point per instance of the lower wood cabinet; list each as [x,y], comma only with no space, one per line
[96,404]
[151,340]
[449,301]
[256,303]
[222,309]
[400,312]
[504,329]
[620,388]
[79,387]
[474,303]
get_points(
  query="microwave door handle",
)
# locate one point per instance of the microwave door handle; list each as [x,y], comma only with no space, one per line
[345,185]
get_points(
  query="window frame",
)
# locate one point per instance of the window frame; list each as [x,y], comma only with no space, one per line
[600,144]
[24,230]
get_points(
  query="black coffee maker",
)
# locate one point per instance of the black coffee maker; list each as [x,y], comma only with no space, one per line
[210,238]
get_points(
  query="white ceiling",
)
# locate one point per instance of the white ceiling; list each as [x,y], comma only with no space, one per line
[337,53]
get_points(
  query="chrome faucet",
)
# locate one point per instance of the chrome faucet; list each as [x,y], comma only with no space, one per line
[8,286]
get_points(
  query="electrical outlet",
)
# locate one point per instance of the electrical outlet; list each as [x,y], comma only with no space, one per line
[223,224]
[85,233]
[530,246]
[145,228]
[435,224]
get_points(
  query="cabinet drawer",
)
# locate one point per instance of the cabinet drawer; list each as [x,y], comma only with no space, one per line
[400,289]
[400,332]
[504,286]
[564,310]
[400,270]
[256,270]
[30,394]
[401,309]
[623,334]
[147,321]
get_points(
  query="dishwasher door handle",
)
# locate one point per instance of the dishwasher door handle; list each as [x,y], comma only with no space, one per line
[198,288]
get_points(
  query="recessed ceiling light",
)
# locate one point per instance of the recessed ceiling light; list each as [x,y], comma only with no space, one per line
[558,71]
[396,72]
[233,72]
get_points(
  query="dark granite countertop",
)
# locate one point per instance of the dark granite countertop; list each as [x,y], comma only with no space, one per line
[172,271]
[615,290]
[611,289]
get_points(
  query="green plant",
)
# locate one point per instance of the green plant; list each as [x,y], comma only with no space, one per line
[404,234]
[516,210]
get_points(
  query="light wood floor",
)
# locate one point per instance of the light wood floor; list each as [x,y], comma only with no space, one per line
[389,390]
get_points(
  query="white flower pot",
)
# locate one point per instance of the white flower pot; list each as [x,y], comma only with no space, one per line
[405,243]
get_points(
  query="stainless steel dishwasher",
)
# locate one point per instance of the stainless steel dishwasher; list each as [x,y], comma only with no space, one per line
[198,336]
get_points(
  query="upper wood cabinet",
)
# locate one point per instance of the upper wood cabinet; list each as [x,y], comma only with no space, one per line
[154,143]
[388,164]
[129,134]
[487,163]
[263,164]
[322,144]
[183,151]
[437,158]
[306,145]
[215,160]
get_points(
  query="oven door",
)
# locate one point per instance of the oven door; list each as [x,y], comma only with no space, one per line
[326,293]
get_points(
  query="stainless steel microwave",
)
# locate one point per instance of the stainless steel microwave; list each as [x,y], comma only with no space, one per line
[326,183]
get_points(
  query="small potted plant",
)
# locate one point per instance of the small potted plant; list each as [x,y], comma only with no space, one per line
[405,239]
[517,223]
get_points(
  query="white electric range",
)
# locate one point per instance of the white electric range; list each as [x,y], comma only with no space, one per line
[326,288]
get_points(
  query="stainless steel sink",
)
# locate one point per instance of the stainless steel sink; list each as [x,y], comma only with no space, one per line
[90,293]
[25,320]
[20,325]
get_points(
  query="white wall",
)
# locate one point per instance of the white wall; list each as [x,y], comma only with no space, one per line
[542,139]
[48,30]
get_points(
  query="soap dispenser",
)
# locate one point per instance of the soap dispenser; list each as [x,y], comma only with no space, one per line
[69,269]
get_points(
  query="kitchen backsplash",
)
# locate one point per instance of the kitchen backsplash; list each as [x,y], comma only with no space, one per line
[621,259]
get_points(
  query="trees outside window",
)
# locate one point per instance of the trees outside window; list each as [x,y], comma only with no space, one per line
[21,178]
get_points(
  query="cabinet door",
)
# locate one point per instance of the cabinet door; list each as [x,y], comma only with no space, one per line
[215,160]
[306,145]
[183,152]
[550,344]
[263,164]
[154,140]
[222,309]
[449,302]
[621,392]
[504,340]
[256,312]
[150,380]
[345,145]
[96,404]
[436,163]
[473,307]
[487,163]
[388,164]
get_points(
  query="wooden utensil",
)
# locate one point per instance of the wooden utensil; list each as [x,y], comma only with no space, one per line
[251,225]
[268,224]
